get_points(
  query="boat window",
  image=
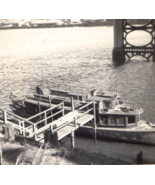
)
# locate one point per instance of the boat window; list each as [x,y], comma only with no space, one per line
[107,104]
[112,120]
[131,119]
[103,120]
[121,120]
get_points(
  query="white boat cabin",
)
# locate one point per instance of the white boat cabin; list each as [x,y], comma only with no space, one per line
[111,112]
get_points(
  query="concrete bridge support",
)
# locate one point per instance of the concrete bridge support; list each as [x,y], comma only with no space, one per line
[154,46]
[118,50]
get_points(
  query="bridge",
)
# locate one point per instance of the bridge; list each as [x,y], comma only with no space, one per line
[123,49]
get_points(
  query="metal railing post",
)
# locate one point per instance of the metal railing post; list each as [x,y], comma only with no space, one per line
[34,130]
[23,128]
[4,117]
[73,139]
[19,122]
[75,123]
[45,118]
[50,101]
[52,114]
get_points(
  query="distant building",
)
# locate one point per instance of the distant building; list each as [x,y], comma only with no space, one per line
[15,25]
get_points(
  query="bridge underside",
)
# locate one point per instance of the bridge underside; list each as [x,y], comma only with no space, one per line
[123,49]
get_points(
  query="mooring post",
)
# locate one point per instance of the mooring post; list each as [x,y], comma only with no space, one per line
[72,139]
[94,109]
[54,138]
[140,158]
[12,132]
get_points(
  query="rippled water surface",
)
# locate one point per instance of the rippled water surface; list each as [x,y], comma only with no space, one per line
[80,56]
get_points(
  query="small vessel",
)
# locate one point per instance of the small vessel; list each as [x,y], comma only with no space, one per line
[115,120]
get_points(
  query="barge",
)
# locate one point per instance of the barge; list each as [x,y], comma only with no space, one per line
[113,119]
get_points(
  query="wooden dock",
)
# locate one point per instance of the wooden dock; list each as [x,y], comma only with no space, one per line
[58,123]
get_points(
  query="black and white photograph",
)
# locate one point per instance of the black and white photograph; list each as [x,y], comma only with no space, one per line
[77,91]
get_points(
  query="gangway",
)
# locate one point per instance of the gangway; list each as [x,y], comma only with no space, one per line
[60,123]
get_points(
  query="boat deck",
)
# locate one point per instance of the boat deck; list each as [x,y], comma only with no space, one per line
[44,104]
[118,111]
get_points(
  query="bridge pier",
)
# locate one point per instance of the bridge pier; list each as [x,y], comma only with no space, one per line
[118,50]
[154,47]
[154,54]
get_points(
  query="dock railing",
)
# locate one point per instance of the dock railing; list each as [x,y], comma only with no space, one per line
[26,125]
[74,119]
[18,122]
[47,114]
[30,129]
[71,118]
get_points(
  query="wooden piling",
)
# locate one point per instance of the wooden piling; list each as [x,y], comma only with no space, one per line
[6,133]
[54,137]
[140,158]
[9,132]
[72,139]
[94,111]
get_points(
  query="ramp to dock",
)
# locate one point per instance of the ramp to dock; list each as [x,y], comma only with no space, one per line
[71,127]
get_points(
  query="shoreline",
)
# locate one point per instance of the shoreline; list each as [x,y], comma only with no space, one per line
[55,156]
[66,26]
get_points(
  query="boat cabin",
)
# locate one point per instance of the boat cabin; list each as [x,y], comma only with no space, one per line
[111,112]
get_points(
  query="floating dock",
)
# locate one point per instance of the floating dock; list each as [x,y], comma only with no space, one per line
[57,120]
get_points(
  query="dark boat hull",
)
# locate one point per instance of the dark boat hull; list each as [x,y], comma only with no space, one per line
[143,137]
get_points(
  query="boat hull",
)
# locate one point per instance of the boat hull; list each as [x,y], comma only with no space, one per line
[143,137]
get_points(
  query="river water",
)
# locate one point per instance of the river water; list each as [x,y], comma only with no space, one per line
[80,56]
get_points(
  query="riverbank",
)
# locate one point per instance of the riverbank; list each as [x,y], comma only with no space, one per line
[54,156]
[86,152]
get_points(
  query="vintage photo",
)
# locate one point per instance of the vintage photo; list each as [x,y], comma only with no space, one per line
[77,91]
